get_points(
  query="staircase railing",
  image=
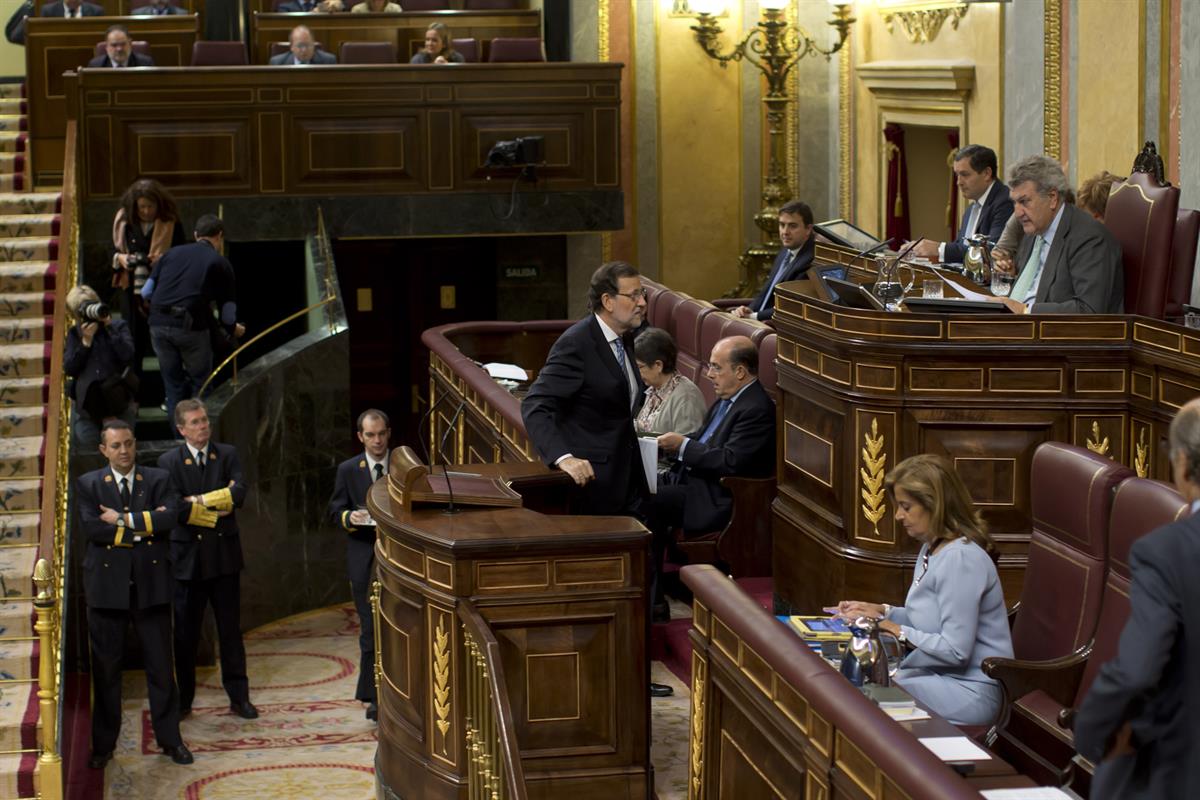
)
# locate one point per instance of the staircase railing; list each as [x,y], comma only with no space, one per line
[494,760]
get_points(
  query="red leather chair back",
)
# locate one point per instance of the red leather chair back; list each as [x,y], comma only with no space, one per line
[685,328]
[1183,262]
[516,49]
[219,54]
[1141,215]
[753,329]
[767,372]
[469,49]
[367,53]
[663,312]
[1139,507]
[653,290]
[138,47]
[1071,491]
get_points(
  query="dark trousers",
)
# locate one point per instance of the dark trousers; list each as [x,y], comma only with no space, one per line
[185,358]
[362,573]
[663,514]
[224,593]
[106,632]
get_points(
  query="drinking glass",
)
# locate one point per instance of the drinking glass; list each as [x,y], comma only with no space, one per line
[1002,283]
[932,289]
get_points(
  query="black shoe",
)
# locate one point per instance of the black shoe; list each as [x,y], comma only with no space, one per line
[373,712]
[244,709]
[99,760]
[660,612]
[179,754]
[661,690]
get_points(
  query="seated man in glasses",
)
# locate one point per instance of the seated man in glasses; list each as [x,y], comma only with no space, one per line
[302,50]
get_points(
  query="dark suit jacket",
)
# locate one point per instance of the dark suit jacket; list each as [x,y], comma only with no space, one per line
[148,11]
[197,552]
[59,9]
[135,60]
[1083,272]
[350,487]
[992,218]
[764,301]
[287,59]
[1152,683]
[743,445]
[579,404]
[111,352]
[112,559]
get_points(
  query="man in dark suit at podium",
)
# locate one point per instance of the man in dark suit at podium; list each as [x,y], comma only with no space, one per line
[348,511]
[123,509]
[795,232]
[206,554]
[988,204]
[1142,713]
[118,51]
[579,411]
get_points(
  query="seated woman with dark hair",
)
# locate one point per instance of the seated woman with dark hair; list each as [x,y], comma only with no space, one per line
[439,47]
[954,616]
[673,403]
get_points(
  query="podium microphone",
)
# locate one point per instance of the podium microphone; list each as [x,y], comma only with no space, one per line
[869,251]
[450,509]
[428,417]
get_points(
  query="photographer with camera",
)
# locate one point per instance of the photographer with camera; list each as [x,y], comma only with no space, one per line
[99,358]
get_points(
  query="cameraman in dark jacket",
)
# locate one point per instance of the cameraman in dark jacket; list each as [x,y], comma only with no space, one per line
[99,357]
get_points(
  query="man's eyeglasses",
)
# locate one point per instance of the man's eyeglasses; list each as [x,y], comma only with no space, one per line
[635,295]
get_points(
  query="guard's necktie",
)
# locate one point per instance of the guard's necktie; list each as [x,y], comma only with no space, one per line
[1024,284]
[717,417]
[200,461]
[378,471]
[125,493]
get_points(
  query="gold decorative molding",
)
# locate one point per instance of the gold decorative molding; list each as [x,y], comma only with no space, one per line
[696,742]
[792,157]
[845,166]
[1141,461]
[376,612]
[1095,443]
[602,54]
[922,25]
[873,460]
[1052,80]
[441,678]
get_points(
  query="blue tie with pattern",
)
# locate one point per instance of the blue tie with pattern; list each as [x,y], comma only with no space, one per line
[715,422]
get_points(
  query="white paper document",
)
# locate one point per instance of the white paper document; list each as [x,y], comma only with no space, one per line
[963,290]
[955,748]
[1036,793]
[910,714]
[510,372]
[649,447]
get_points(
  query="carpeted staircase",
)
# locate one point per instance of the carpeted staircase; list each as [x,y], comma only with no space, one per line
[29,226]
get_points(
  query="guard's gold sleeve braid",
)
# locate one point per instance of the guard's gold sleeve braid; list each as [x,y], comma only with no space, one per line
[218,499]
[202,517]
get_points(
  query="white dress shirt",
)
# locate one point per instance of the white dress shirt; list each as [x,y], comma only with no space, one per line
[968,230]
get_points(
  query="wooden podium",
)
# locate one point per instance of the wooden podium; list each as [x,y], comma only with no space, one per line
[565,597]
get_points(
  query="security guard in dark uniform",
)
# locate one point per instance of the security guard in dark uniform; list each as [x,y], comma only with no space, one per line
[347,509]
[124,510]
[183,284]
[206,554]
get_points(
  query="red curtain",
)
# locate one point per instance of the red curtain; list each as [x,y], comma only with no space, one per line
[952,206]
[897,226]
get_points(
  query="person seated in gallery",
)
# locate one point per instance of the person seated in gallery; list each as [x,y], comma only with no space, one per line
[439,48]
[118,51]
[1068,263]
[954,615]
[159,8]
[673,403]
[310,7]
[302,50]
[376,7]
[72,9]
[988,207]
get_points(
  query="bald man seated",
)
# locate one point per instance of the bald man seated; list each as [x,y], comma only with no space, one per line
[737,437]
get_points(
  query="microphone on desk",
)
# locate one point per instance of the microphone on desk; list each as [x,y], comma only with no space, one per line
[428,417]
[870,250]
[450,509]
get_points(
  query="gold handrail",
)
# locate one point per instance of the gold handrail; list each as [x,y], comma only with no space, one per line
[49,764]
[233,356]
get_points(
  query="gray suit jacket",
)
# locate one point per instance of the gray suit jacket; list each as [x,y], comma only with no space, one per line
[1083,272]
[287,59]
[1153,682]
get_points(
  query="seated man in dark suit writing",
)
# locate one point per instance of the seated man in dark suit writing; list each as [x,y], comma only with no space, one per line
[118,51]
[1142,713]
[1068,263]
[988,205]
[736,438]
[795,233]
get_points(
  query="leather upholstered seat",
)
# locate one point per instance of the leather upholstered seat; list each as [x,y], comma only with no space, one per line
[219,54]
[516,49]
[367,53]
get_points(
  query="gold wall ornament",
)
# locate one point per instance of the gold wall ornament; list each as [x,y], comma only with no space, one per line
[922,25]
[376,613]
[1097,445]
[1052,80]
[1141,461]
[873,460]
[696,745]
[845,119]
[441,679]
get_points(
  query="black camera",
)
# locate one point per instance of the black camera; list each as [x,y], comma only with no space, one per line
[520,152]
[94,312]
[135,260]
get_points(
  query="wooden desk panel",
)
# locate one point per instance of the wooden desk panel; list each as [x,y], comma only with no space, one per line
[54,46]
[344,129]
[405,30]
[452,6]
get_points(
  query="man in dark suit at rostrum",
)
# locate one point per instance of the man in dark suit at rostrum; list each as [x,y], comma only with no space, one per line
[124,510]
[988,205]
[302,50]
[579,411]
[736,438]
[72,8]
[118,51]
[1068,263]
[795,232]
[206,554]
[347,509]
[159,8]
[1142,713]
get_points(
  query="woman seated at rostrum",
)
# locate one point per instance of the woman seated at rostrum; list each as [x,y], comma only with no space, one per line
[954,616]
[673,403]
[439,47]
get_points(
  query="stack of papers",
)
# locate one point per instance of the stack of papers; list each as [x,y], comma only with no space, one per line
[1036,793]
[955,748]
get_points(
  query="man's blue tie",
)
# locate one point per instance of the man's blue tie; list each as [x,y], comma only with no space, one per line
[717,417]
[774,281]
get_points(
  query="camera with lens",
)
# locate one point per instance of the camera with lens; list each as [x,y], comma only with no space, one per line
[94,312]
[523,151]
[135,260]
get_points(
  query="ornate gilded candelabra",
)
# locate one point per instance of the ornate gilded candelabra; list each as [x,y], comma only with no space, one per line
[774,46]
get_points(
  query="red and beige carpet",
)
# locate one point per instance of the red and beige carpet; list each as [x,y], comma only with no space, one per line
[310,740]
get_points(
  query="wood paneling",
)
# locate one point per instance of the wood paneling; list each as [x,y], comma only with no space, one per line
[343,130]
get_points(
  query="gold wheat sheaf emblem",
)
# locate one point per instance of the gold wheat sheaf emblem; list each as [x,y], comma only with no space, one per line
[441,680]
[699,669]
[873,459]
[1142,458]
[1097,445]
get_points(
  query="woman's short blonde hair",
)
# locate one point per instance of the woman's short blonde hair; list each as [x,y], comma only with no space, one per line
[1093,193]
[79,296]
[933,483]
